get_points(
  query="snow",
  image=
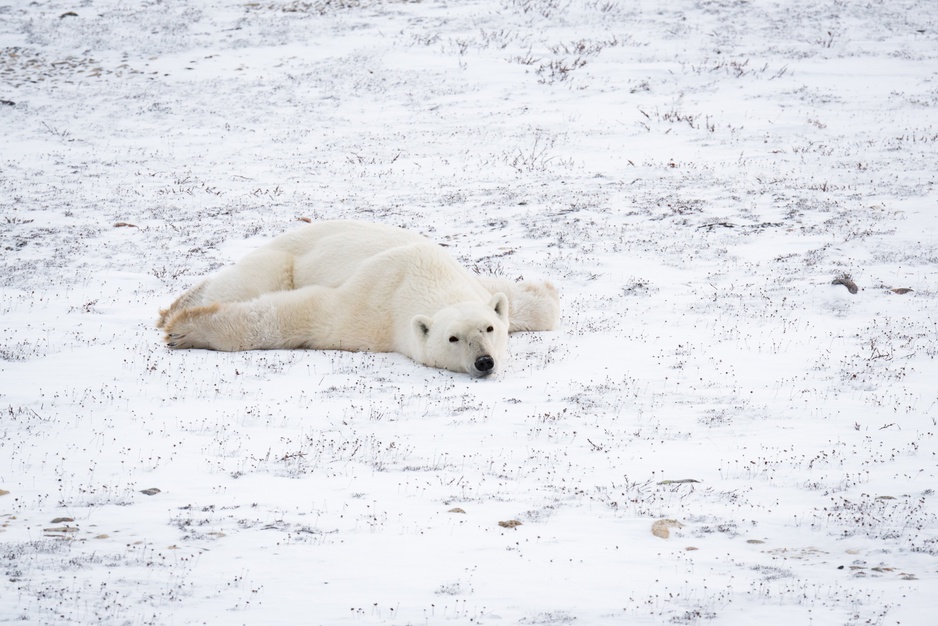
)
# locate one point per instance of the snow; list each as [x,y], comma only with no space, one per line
[691,175]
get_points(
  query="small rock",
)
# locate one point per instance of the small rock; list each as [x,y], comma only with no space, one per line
[60,520]
[152,491]
[456,510]
[510,523]
[662,527]
[847,282]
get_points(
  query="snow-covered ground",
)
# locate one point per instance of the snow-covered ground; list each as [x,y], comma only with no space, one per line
[693,175]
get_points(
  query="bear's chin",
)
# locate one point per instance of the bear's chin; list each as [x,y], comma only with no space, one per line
[477,374]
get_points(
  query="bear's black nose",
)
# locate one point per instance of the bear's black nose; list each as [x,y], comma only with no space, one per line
[485,363]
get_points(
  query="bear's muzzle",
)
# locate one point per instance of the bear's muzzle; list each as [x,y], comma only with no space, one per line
[483,366]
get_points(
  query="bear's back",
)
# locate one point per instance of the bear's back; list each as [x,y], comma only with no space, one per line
[328,253]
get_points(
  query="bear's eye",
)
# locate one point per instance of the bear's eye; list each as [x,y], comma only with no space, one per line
[489,329]
[453,339]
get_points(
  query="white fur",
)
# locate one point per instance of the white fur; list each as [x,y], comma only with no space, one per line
[358,286]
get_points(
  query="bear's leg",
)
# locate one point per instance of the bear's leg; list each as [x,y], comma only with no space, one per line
[262,271]
[191,298]
[531,305]
[301,318]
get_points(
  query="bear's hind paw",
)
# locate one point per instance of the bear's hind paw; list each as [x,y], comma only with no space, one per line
[199,327]
[176,341]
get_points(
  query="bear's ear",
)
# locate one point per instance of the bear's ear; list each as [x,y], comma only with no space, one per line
[421,325]
[499,303]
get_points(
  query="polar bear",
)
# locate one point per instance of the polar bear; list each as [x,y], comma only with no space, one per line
[347,285]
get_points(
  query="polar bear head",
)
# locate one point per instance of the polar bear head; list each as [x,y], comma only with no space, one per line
[467,337]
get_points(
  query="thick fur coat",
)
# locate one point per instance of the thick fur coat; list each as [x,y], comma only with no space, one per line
[345,285]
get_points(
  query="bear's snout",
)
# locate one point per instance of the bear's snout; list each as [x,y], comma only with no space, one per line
[484,365]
